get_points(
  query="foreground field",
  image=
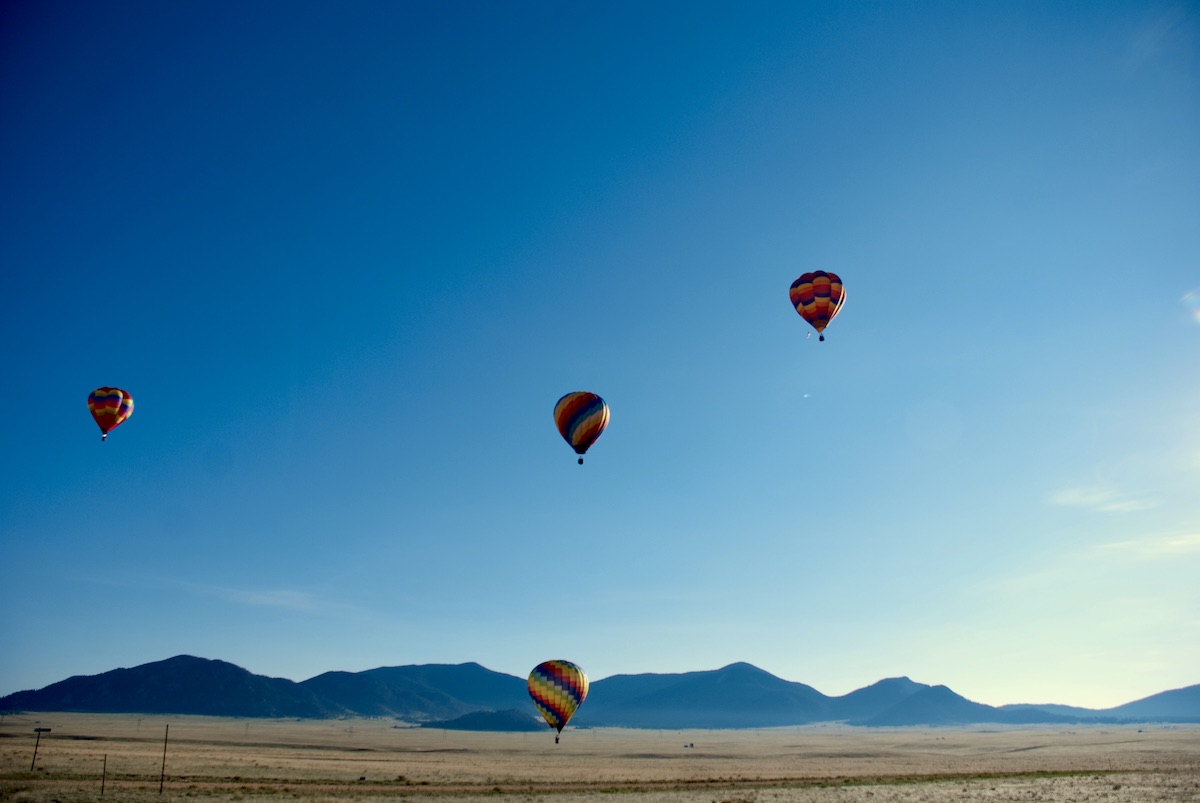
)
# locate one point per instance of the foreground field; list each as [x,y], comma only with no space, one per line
[87,757]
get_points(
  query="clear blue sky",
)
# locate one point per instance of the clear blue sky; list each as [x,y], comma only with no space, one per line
[346,257]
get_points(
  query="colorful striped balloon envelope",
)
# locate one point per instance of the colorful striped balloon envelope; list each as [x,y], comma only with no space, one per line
[581,418]
[818,297]
[558,688]
[110,407]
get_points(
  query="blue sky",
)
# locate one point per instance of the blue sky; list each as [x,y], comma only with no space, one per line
[347,257]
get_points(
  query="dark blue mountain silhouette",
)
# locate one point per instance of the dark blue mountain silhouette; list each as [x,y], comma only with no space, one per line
[427,691]
[871,700]
[735,696]
[938,705]
[180,685]
[1176,705]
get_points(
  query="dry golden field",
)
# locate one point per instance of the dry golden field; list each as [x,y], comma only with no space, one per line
[374,759]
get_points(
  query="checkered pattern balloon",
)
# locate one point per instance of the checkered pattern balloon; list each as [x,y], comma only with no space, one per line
[558,688]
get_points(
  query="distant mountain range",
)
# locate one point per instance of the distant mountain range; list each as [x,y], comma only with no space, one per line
[471,697]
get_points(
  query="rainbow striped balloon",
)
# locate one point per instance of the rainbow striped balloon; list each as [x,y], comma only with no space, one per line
[110,407]
[580,417]
[558,688]
[818,297]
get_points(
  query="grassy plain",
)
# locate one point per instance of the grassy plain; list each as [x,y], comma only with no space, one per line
[375,760]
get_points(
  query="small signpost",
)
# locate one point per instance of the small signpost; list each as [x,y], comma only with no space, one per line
[39,732]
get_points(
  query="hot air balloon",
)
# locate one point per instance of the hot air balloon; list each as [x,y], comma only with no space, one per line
[818,297]
[110,407]
[558,688]
[581,417]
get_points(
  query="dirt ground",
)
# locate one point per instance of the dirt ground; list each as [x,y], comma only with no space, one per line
[90,757]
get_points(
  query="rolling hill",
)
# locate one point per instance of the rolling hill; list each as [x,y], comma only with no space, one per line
[431,691]
[737,696]
[179,685]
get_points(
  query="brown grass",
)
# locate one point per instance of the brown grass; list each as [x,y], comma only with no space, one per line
[370,760]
